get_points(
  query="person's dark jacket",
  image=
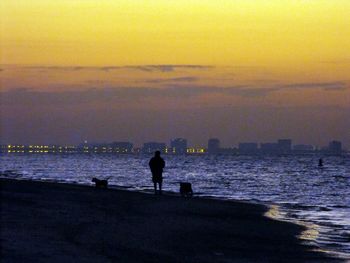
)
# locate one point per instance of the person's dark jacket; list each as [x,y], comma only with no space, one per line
[157,164]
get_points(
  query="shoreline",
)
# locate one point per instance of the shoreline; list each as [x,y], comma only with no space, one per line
[126,226]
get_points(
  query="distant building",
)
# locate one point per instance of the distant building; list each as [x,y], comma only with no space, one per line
[335,147]
[303,148]
[3,148]
[228,151]
[151,147]
[99,148]
[13,148]
[114,147]
[137,150]
[178,146]
[248,148]
[41,149]
[122,147]
[269,148]
[196,150]
[284,145]
[213,146]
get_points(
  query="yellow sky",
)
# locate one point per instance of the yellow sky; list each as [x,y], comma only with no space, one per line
[279,34]
[261,43]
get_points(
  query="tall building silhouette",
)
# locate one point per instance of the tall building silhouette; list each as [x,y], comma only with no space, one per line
[248,148]
[335,147]
[213,146]
[178,146]
[122,147]
[269,148]
[284,145]
[151,147]
[303,148]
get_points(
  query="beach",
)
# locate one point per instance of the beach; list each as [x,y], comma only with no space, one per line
[51,222]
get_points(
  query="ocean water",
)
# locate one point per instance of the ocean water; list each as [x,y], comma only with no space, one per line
[294,187]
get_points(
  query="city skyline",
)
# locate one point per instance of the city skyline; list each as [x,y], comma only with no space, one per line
[182,146]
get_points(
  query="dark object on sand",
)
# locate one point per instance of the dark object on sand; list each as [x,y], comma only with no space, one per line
[186,189]
[320,162]
[100,183]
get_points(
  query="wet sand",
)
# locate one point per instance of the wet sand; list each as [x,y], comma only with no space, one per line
[50,222]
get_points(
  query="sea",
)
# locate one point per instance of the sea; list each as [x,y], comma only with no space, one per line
[293,187]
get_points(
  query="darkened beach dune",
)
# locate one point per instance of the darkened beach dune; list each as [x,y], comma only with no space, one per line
[50,222]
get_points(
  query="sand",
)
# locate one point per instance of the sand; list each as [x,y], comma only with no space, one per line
[51,222]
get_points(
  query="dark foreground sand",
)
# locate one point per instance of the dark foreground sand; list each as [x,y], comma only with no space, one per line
[48,222]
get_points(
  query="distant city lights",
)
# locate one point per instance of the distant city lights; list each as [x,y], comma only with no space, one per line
[178,146]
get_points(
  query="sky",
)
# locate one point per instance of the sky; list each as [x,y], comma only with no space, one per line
[239,70]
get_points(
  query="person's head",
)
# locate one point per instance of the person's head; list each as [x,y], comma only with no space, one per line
[157,154]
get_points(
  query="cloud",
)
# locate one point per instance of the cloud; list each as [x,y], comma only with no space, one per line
[335,85]
[146,68]
[168,67]
[55,68]
[111,94]
[251,92]
[171,80]
[23,96]
[179,89]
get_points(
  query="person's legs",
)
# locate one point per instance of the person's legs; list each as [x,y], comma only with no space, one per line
[160,187]
[155,187]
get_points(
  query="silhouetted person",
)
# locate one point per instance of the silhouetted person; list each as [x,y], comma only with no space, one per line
[157,164]
[320,162]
